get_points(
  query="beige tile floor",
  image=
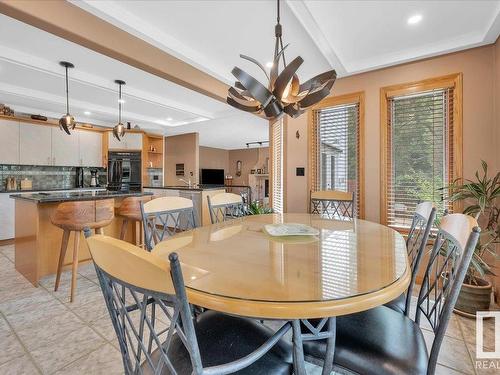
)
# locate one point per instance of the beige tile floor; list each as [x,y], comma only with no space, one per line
[42,333]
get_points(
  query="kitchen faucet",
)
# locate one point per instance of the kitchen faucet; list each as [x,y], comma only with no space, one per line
[188,183]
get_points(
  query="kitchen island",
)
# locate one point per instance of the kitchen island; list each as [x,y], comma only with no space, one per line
[37,240]
[197,193]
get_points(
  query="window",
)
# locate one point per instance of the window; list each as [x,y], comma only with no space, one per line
[419,147]
[336,147]
[277,166]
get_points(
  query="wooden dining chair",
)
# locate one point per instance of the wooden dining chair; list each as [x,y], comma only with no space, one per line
[74,217]
[416,242]
[382,341]
[333,204]
[225,206]
[142,290]
[163,217]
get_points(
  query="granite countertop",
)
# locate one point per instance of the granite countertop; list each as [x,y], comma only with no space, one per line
[76,196]
[197,188]
[56,189]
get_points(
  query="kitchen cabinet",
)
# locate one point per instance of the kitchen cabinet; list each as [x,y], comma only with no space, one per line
[65,148]
[131,141]
[35,146]
[90,148]
[7,217]
[9,142]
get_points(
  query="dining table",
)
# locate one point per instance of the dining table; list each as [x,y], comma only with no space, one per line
[346,266]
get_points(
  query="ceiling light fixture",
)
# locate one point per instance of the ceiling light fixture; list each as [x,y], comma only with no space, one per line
[414,19]
[169,118]
[284,93]
[119,129]
[87,113]
[269,64]
[67,121]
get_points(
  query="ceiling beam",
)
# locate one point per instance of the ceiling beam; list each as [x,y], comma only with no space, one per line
[72,23]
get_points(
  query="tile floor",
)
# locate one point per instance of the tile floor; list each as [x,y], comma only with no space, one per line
[42,333]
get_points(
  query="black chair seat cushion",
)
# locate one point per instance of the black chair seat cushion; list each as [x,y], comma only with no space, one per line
[223,338]
[398,304]
[376,342]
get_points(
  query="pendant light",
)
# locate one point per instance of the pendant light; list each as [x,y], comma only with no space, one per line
[119,129]
[284,93]
[67,121]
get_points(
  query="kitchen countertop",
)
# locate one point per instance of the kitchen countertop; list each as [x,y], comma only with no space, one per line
[198,188]
[56,189]
[76,196]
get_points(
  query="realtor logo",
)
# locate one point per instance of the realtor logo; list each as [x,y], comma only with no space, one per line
[480,353]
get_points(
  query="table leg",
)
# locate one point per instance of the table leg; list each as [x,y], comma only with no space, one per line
[330,347]
[299,367]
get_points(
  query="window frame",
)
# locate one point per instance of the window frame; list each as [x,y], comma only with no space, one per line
[443,82]
[314,175]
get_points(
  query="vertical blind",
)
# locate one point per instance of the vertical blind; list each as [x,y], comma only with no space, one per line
[277,158]
[419,152]
[337,132]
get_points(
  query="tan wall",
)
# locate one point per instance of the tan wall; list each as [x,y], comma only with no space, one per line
[249,158]
[480,134]
[214,158]
[181,149]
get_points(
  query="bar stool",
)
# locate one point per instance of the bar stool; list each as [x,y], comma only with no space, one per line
[130,211]
[75,216]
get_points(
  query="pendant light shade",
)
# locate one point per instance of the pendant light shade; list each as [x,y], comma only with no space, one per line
[119,129]
[284,93]
[67,122]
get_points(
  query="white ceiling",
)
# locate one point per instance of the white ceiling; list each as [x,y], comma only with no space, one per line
[349,36]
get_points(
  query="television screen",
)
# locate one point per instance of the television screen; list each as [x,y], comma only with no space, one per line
[212,176]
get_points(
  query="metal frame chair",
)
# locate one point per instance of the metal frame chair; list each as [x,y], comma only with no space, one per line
[163,217]
[225,206]
[360,346]
[333,204]
[416,241]
[141,289]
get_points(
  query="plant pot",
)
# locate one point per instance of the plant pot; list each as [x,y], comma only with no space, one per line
[473,298]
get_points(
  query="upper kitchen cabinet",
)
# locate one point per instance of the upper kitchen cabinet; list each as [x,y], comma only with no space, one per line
[90,148]
[35,146]
[9,142]
[65,148]
[131,141]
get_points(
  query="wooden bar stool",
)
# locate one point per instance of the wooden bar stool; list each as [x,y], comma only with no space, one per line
[130,211]
[75,216]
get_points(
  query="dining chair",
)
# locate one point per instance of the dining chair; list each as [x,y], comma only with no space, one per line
[225,206]
[165,216]
[416,242]
[383,341]
[157,334]
[333,204]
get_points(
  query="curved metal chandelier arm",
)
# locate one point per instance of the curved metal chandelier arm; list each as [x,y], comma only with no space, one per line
[285,76]
[257,89]
[251,59]
[318,81]
[316,96]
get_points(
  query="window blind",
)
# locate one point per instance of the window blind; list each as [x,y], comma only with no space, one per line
[277,169]
[419,152]
[338,148]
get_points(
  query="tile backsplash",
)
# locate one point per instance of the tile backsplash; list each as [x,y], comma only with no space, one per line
[48,177]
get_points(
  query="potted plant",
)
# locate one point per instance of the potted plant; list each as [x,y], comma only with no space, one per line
[255,208]
[480,200]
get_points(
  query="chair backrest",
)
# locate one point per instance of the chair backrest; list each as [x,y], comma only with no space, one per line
[333,204]
[450,257]
[225,206]
[84,214]
[420,228]
[141,291]
[165,216]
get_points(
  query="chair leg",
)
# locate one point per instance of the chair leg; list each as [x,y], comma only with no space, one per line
[62,254]
[99,231]
[124,229]
[75,265]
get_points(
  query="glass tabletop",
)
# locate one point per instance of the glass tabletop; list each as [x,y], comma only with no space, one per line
[238,259]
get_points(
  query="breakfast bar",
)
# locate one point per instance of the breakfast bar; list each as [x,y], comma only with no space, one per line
[37,240]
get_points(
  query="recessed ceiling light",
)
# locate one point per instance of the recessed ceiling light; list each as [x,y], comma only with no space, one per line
[87,113]
[414,19]
[121,101]
[169,118]
[269,64]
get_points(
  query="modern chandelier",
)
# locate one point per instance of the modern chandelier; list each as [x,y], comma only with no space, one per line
[67,121]
[284,93]
[119,129]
